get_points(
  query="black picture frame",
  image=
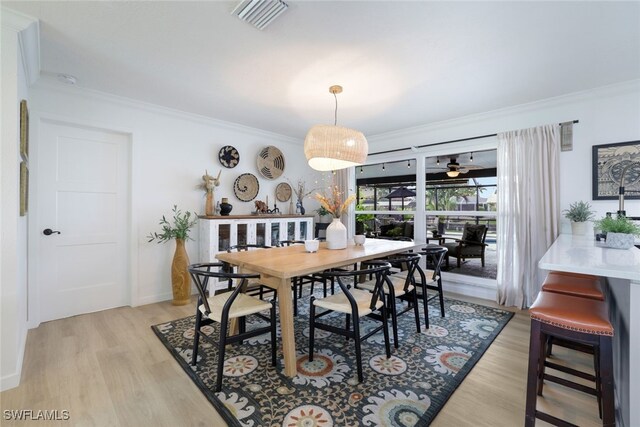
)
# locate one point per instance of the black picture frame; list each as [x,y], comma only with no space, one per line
[608,162]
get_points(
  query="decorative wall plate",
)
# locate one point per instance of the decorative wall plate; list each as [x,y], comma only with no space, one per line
[229,156]
[283,192]
[246,187]
[270,162]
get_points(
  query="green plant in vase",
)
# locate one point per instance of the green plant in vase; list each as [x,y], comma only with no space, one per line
[579,213]
[620,231]
[178,230]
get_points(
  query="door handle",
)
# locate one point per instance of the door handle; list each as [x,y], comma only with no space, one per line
[49,232]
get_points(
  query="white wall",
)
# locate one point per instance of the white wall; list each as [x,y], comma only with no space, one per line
[170,152]
[607,115]
[13,228]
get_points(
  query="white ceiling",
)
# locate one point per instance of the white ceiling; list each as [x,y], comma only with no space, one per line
[402,64]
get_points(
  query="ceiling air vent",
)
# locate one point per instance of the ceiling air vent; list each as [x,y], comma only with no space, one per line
[259,13]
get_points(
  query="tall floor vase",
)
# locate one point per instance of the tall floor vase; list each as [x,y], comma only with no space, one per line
[180,279]
[336,235]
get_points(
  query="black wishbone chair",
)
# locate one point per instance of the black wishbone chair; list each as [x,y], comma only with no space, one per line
[227,305]
[253,288]
[430,279]
[400,287]
[354,303]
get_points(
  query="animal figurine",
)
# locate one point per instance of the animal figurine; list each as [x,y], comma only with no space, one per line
[261,206]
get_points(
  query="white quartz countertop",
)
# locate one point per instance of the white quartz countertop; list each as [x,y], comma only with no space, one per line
[582,254]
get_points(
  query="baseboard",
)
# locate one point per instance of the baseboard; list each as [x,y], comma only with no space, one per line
[470,286]
[151,299]
[13,380]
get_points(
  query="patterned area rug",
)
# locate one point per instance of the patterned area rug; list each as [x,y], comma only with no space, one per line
[408,389]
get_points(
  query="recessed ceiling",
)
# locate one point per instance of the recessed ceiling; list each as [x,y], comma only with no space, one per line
[401,64]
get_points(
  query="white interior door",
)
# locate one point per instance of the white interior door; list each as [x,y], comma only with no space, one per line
[83,200]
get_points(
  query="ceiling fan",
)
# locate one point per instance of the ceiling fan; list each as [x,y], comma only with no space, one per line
[454,168]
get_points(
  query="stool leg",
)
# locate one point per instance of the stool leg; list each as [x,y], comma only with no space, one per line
[541,359]
[606,376]
[532,375]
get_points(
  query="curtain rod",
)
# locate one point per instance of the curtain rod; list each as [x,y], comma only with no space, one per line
[446,142]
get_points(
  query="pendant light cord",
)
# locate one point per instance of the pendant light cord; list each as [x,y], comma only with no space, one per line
[335,115]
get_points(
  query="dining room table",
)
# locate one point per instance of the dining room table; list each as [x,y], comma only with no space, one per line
[277,266]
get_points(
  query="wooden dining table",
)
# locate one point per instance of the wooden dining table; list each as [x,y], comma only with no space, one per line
[277,266]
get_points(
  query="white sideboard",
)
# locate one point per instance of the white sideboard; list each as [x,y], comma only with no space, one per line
[217,233]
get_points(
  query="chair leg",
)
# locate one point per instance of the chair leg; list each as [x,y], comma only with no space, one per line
[347,325]
[391,303]
[222,343]
[274,344]
[606,377]
[441,296]
[356,332]
[483,259]
[416,312]
[532,375]
[196,338]
[549,346]
[385,331]
[312,319]
[541,360]
[596,368]
[425,303]
[459,258]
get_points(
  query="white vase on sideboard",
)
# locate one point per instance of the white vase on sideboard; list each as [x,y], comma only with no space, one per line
[336,235]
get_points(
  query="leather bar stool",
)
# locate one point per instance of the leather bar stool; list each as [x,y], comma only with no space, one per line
[575,319]
[578,285]
[574,284]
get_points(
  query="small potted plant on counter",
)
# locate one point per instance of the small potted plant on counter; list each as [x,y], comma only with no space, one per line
[620,231]
[579,213]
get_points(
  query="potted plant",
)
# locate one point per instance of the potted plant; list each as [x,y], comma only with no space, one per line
[579,213]
[363,221]
[620,231]
[322,213]
[178,230]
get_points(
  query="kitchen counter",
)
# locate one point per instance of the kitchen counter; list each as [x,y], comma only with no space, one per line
[621,268]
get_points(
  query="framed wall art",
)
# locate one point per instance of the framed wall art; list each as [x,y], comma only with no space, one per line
[609,163]
[24,130]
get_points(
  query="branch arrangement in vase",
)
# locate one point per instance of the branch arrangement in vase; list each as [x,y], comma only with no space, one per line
[178,229]
[334,203]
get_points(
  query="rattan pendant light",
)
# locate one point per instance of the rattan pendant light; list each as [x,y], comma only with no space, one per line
[335,147]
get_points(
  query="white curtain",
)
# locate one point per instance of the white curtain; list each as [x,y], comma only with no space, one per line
[528,209]
[341,180]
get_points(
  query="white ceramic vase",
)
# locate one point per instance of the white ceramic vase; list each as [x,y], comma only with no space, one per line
[579,228]
[336,235]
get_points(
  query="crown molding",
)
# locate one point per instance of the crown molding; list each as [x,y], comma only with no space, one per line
[48,83]
[28,31]
[602,91]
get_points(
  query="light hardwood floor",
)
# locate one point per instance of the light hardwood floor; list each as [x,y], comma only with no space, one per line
[109,369]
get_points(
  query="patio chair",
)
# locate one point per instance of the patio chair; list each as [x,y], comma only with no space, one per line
[471,245]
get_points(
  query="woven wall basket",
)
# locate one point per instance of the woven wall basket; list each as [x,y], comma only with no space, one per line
[246,187]
[270,162]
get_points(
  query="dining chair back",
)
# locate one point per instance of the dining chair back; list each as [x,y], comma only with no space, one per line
[225,306]
[397,287]
[353,303]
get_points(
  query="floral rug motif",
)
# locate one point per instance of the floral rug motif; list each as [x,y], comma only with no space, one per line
[409,389]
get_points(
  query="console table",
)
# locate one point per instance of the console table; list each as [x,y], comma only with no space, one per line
[217,233]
